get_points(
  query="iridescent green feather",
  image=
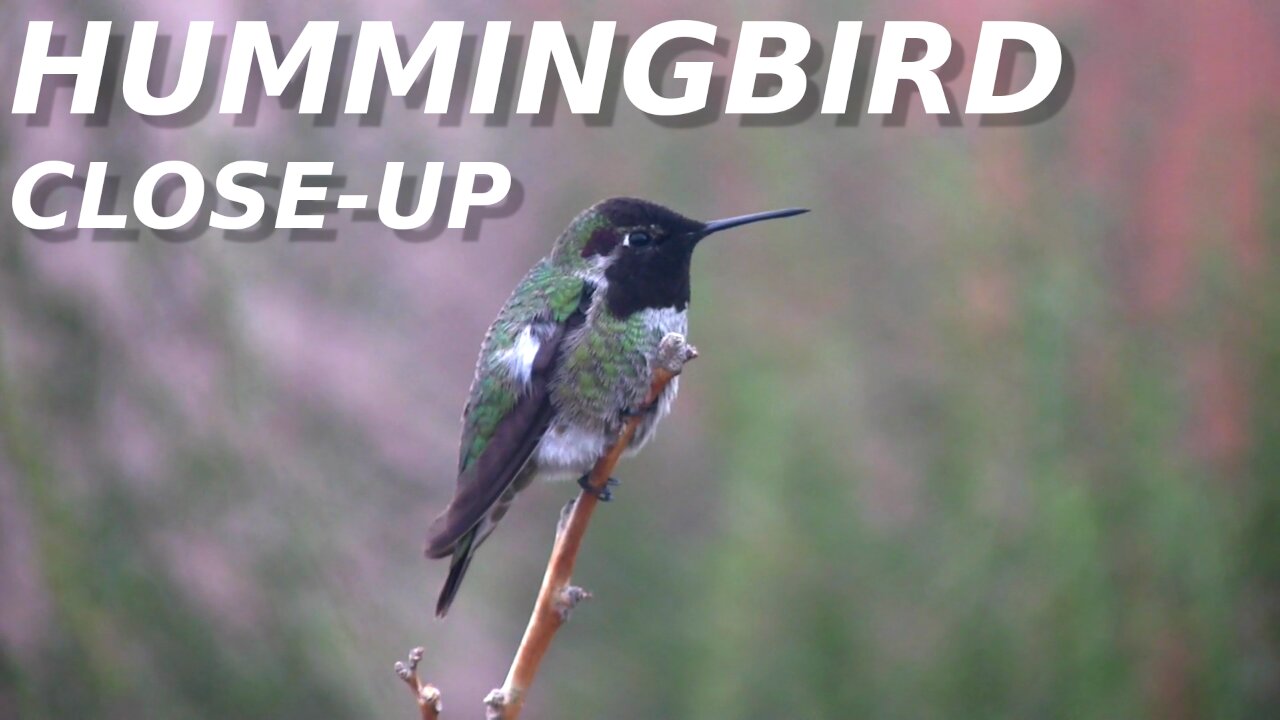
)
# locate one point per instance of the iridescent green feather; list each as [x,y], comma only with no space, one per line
[611,350]
[547,294]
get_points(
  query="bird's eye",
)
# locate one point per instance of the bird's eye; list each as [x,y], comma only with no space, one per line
[638,238]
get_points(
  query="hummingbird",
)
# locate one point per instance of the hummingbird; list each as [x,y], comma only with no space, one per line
[567,362]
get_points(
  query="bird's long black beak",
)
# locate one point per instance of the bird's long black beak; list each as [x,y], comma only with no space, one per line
[716,226]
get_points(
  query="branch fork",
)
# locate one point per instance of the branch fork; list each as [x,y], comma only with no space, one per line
[427,695]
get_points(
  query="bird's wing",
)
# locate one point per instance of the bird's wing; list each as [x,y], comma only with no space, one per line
[509,410]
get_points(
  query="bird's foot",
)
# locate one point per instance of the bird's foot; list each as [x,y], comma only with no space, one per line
[630,411]
[604,494]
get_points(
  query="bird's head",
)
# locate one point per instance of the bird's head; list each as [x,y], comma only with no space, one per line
[641,250]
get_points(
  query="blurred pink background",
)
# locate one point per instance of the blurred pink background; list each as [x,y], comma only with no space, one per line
[992,432]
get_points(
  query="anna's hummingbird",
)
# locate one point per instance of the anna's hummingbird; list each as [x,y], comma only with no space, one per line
[567,360]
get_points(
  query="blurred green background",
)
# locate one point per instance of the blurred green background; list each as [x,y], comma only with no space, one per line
[993,432]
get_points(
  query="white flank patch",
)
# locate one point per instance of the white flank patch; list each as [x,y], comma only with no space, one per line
[567,451]
[519,358]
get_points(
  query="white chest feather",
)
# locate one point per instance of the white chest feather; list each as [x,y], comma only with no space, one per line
[567,451]
[667,320]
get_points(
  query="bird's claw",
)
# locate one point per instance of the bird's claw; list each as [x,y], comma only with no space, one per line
[629,411]
[604,494]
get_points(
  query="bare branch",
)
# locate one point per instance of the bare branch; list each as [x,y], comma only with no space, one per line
[427,696]
[557,597]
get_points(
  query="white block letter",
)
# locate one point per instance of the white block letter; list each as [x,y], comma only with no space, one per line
[92,201]
[697,75]
[293,192]
[547,43]
[890,67]
[493,52]
[748,64]
[986,63]
[87,67]
[22,209]
[252,42]
[377,43]
[142,46]
[248,197]
[144,195]
[844,55]
[465,196]
[392,178]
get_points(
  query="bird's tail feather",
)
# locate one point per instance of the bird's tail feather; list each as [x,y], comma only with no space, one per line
[462,555]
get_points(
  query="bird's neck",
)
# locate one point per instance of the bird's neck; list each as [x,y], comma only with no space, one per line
[647,286]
